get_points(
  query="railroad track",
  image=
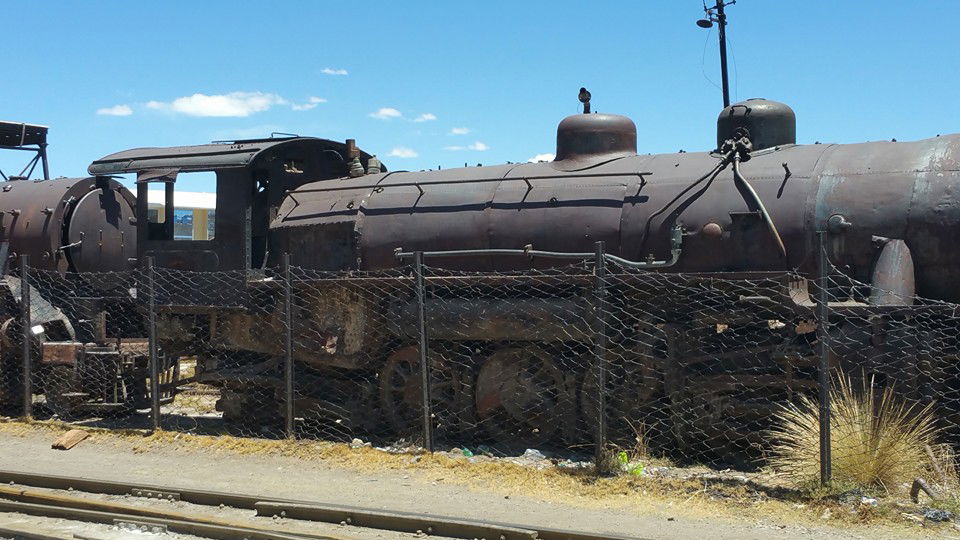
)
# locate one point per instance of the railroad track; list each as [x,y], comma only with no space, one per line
[18,497]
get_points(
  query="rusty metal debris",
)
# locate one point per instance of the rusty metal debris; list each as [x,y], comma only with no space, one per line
[919,484]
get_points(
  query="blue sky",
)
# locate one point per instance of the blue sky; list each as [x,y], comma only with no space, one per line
[427,84]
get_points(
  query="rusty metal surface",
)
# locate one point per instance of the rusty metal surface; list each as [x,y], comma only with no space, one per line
[893,277]
[769,123]
[903,190]
[253,177]
[28,137]
[896,190]
[69,224]
[205,157]
[512,206]
[20,134]
[493,319]
[102,231]
[590,135]
[60,353]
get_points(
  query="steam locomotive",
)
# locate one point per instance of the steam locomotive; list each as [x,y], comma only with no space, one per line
[750,209]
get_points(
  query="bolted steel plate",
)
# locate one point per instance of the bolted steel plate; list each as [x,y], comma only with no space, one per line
[102,232]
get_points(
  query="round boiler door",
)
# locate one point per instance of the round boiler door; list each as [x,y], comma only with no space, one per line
[102,233]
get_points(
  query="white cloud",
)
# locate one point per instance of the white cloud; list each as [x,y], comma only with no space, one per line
[331,71]
[403,152]
[311,103]
[459,131]
[425,117]
[477,146]
[116,110]
[232,104]
[541,157]
[385,113]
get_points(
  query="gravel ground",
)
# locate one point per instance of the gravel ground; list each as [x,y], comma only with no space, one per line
[286,477]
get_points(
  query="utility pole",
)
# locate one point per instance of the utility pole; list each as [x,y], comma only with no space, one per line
[716,14]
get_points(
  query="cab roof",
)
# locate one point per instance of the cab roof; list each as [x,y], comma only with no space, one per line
[206,157]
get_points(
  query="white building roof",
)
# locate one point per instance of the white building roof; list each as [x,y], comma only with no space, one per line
[184,199]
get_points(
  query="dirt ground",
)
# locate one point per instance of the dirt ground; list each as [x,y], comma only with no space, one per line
[374,479]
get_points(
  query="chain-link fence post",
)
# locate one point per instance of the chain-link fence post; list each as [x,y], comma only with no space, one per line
[152,337]
[287,347]
[823,342]
[600,352]
[27,329]
[422,339]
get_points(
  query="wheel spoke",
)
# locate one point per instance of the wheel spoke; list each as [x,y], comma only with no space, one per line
[527,383]
[401,389]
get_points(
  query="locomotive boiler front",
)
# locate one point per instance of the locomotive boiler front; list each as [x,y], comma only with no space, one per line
[69,224]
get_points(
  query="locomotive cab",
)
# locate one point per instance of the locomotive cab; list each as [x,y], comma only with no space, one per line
[252,177]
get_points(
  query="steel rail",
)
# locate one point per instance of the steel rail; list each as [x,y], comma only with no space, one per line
[309,510]
[18,533]
[134,512]
[207,530]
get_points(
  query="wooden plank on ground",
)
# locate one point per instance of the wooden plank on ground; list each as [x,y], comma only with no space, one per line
[69,439]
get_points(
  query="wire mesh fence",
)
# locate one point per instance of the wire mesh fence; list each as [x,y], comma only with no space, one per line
[591,358]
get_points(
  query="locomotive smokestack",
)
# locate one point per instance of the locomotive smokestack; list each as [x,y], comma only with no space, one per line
[352,150]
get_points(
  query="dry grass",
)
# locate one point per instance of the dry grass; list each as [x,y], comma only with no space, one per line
[943,468]
[877,441]
[194,403]
[944,477]
[640,451]
[633,458]
[663,496]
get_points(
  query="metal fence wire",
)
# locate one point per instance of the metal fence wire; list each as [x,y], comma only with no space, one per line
[580,360]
